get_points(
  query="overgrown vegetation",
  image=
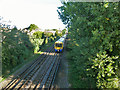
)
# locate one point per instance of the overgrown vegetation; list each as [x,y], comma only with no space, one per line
[94,45]
[40,38]
[18,46]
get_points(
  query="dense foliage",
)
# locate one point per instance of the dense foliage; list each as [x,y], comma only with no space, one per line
[58,34]
[19,46]
[38,39]
[16,48]
[63,31]
[38,34]
[48,34]
[94,45]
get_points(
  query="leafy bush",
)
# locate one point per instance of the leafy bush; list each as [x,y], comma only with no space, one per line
[37,44]
[104,67]
[94,42]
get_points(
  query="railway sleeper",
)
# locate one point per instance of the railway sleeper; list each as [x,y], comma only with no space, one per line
[38,71]
[47,74]
[21,74]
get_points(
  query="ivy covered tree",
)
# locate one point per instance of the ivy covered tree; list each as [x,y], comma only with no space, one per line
[95,42]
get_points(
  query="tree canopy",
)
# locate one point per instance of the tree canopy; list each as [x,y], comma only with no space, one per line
[38,34]
[32,27]
[63,31]
[95,41]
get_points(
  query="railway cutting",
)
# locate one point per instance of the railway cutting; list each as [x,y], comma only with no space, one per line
[39,74]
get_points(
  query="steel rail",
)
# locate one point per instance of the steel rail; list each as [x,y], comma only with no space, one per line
[47,74]
[31,75]
[30,81]
[31,72]
[47,61]
[52,76]
[14,79]
[17,78]
[42,74]
[27,74]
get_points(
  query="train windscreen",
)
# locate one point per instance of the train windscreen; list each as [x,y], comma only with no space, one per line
[58,45]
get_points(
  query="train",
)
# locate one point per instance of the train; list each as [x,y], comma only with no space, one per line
[59,44]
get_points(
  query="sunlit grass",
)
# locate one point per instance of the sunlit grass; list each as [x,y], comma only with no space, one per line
[38,52]
[42,50]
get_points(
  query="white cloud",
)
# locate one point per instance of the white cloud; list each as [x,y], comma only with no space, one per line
[22,13]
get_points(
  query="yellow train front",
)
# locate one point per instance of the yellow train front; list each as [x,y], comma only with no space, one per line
[59,44]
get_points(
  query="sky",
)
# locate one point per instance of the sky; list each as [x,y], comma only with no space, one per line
[22,13]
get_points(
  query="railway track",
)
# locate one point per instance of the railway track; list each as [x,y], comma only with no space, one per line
[39,74]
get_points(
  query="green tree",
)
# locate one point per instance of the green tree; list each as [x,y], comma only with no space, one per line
[48,34]
[63,31]
[56,33]
[32,27]
[38,34]
[94,33]
[16,48]
[54,29]
[43,35]
[46,40]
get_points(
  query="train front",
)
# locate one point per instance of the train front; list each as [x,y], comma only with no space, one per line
[58,46]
